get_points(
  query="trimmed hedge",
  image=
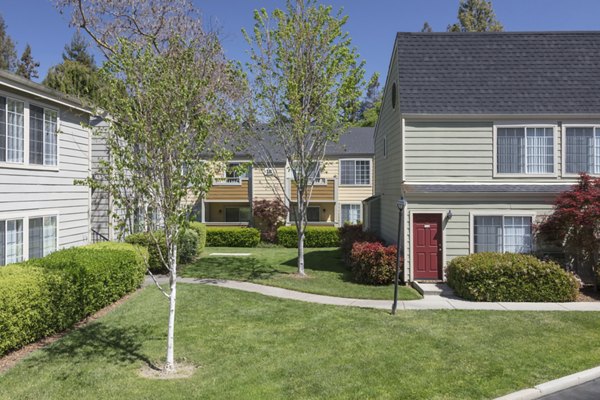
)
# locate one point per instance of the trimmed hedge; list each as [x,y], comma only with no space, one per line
[187,248]
[373,263]
[510,277]
[48,295]
[314,236]
[233,236]
[200,230]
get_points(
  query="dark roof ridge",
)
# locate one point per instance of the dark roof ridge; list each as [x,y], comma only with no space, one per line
[579,32]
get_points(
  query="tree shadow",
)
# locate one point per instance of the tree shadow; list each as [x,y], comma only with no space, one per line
[98,341]
[323,260]
[223,267]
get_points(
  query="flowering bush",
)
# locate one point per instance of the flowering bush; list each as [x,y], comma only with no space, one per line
[269,215]
[373,263]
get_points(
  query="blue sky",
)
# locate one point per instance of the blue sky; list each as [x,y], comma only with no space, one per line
[372,24]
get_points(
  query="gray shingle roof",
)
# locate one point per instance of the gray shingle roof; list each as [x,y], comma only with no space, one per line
[499,73]
[474,188]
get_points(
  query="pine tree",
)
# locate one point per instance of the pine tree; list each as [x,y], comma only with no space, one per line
[77,51]
[476,16]
[8,54]
[426,27]
[28,66]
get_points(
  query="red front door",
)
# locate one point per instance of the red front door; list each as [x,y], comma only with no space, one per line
[427,246]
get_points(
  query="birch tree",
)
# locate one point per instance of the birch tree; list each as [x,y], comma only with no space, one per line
[170,98]
[307,80]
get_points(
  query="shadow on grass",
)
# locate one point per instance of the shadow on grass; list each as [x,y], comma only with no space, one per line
[239,268]
[98,341]
[323,260]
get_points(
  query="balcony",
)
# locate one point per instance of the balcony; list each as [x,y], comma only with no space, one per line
[229,189]
[323,190]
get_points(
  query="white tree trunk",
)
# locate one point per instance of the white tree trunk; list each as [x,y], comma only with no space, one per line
[170,364]
[301,253]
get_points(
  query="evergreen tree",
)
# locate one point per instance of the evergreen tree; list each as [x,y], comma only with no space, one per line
[476,16]
[426,27]
[8,54]
[78,51]
[370,106]
[28,66]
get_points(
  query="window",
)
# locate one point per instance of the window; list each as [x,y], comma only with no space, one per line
[502,234]
[351,213]
[313,213]
[582,150]
[42,136]
[12,130]
[11,241]
[355,172]
[237,214]
[42,236]
[525,150]
[235,170]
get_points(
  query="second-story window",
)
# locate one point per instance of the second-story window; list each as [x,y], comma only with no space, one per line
[582,150]
[355,172]
[42,136]
[12,130]
[522,150]
[235,170]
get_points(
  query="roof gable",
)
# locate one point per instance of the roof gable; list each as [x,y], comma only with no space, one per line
[499,73]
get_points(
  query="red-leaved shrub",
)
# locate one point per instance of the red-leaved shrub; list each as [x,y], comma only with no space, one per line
[269,215]
[373,263]
[350,234]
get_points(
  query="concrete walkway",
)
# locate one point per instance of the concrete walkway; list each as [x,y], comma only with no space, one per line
[429,302]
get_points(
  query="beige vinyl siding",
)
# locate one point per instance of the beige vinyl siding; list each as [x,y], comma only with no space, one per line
[34,191]
[388,179]
[457,230]
[263,186]
[449,151]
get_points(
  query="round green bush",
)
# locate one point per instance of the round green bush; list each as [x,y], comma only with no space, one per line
[200,230]
[510,277]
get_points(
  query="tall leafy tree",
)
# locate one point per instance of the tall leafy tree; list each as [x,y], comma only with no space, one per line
[307,84]
[370,106]
[27,66]
[171,97]
[476,16]
[77,74]
[8,54]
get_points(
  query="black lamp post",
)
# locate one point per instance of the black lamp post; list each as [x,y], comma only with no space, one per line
[401,206]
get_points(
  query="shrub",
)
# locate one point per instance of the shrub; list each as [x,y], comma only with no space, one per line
[314,236]
[232,237]
[187,248]
[200,230]
[48,295]
[269,215]
[510,277]
[350,234]
[373,263]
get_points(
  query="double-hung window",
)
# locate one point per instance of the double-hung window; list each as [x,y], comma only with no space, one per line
[11,241]
[582,150]
[525,150]
[42,136]
[12,130]
[502,234]
[355,172]
[351,213]
[42,236]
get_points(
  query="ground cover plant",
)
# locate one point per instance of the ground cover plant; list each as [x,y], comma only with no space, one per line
[275,266]
[253,346]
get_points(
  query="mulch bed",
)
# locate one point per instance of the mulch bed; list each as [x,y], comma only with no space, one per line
[587,293]
[11,359]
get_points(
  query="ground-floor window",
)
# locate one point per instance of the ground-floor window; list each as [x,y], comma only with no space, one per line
[351,213]
[502,234]
[313,214]
[11,241]
[237,214]
[42,236]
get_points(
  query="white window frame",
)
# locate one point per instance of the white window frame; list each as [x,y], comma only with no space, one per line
[564,146]
[26,135]
[553,126]
[356,184]
[44,108]
[360,208]
[499,213]
[25,216]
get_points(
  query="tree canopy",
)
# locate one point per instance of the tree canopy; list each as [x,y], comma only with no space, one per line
[476,16]
[8,54]
[27,65]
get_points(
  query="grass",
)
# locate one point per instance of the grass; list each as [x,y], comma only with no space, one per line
[248,346]
[277,266]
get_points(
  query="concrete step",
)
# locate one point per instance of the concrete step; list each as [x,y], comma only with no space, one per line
[432,289]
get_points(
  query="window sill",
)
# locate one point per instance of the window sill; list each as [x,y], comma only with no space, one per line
[526,176]
[348,185]
[31,167]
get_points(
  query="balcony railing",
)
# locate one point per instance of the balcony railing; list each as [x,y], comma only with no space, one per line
[236,180]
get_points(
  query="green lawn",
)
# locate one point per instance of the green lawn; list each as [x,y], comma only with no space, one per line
[249,346]
[276,266]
